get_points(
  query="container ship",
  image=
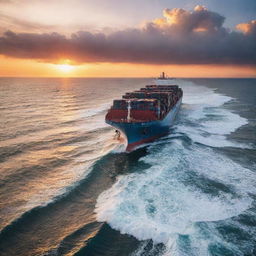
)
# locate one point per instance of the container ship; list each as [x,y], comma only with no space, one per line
[146,114]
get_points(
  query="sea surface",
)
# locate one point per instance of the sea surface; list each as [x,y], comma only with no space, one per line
[68,188]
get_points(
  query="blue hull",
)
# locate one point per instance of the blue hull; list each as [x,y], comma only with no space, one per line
[139,133]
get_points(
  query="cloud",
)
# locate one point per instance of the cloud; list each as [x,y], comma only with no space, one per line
[19,24]
[181,20]
[179,37]
[248,28]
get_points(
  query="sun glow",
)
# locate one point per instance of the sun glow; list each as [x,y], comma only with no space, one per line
[12,67]
[65,67]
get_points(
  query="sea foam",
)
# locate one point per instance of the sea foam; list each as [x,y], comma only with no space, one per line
[161,204]
[187,183]
[204,119]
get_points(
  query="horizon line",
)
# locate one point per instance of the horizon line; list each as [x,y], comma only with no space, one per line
[142,77]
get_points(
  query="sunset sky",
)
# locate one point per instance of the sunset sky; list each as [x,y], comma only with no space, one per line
[136,38]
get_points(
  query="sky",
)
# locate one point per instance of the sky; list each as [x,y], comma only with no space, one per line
[135,38]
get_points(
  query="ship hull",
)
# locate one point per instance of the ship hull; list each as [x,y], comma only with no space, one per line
[144,132]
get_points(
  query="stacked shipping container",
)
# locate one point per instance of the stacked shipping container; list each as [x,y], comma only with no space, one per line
[148,104]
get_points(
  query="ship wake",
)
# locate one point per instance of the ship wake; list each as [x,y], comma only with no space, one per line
[190,189]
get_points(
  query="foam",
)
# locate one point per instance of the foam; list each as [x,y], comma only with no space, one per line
[152,249]
[164,202]
[159,205]
[200,95]
[204,119]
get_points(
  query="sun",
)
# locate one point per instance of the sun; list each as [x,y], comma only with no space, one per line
[65,67]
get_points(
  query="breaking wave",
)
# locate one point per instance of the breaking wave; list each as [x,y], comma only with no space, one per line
[189,187]
[204,118]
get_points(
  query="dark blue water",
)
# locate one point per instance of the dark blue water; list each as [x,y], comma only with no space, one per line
[67,187]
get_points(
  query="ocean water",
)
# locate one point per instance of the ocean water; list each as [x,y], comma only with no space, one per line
[68,188]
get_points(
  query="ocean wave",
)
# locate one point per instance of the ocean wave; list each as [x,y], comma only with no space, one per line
[160,204]
[94,111]
[187,184]
[204,119]
[77,239]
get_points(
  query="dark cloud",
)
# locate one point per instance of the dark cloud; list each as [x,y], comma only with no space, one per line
[180,37]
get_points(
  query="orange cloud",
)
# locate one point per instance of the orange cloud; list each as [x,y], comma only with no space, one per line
[178,20]
[247,28]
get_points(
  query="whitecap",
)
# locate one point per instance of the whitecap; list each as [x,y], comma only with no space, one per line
[203,118]
[160,204]
[171,198]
